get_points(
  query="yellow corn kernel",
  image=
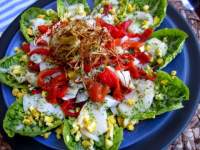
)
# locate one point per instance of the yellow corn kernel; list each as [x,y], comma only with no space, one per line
[48,119]
[44,94]
[130,8]
[160,61]
[78,136]
[15,91]
[108,143]
[112,11]
[173,73]
[164,82]
[92,127]
[156,20]
[146,8]
[106,2]
[130,127]
[27,122]
[110,132]
[101,11]
[17,69]
[147,47]
[30,31]
[120,121]
[59,132]
[116,19]
[145,24]
[17,49]
[86,143]
[46,135]
[36,114]
[158,52]
[24,58]
[111,119]
[125,122]
[41,16]
[130,102]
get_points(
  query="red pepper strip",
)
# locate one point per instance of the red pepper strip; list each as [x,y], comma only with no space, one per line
[114,31]
[146,35]
[56,91]
[43,74]
[143,57]
[33,66]
[41,51]
[57,88]
[43,28]
[124,25]
[25,47]
[107,8]
[134,71]
[69,105]
[97,91]
[131,44]
[109,78]
[41,42]
[143,37]
[127,56]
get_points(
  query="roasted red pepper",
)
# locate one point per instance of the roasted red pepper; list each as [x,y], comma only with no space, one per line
[107,8]
[34,67]
[109,78]
[68,107]
[97,91]
[134,71]
[43,28]
[44,74]
[41,51]
[25,47]
[143,57]
[41,42]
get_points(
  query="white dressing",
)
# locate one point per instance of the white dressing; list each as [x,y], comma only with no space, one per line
[38,102]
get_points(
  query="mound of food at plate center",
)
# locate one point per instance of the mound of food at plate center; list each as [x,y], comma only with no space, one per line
[79,41]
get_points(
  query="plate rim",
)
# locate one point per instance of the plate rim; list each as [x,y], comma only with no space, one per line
[14,27]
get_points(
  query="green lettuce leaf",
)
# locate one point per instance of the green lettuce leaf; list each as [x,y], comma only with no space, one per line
[169,95]
[13,122]
[7,62]
[32,13]
[175,39]
[73,145]
[157,8]
[68,138]
[62,6]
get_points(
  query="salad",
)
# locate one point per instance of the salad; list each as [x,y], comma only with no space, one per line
[90,74]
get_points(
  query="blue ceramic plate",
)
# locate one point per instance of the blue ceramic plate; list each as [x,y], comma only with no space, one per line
[157,133]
